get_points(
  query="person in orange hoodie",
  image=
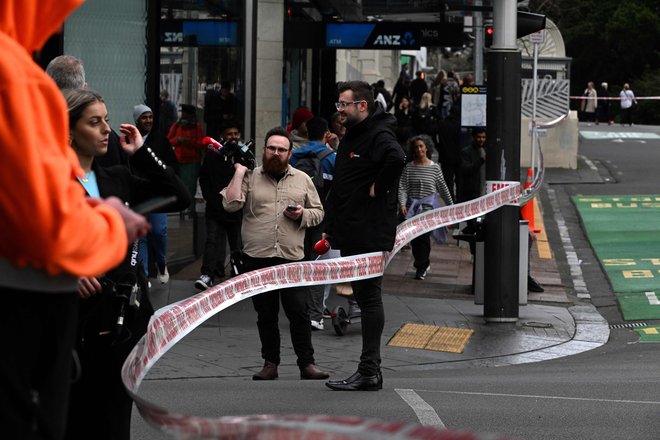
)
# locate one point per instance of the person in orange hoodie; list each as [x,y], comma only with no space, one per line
[50,233]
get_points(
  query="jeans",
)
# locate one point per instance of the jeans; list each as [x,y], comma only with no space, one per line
[189,173]
[157,240]
[39,330]
[368,296]
[267,306]
[421,250]
[218,232]
[315,300]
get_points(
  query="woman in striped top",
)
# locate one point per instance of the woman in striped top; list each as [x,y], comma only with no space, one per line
[420,185]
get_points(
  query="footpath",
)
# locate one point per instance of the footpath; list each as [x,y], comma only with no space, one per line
[553,324]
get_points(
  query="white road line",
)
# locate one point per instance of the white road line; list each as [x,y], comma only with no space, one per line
[571,256]
[653,300]
[425,412]
[533,396]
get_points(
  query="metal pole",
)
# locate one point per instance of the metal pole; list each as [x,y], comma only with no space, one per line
[534,87]
[478,56]
[503,163]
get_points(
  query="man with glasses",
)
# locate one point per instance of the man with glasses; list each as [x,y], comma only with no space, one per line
[362,212]
[279,202]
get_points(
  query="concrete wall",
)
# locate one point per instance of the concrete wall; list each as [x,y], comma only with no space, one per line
[269,63]
[368,65]
[559,145]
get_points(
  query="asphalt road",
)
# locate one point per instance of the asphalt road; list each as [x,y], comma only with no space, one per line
[612,392]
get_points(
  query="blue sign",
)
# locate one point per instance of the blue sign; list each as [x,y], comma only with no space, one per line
[210,33]
[348,35]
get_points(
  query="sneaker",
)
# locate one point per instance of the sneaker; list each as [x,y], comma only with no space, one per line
[204,282]
[534,286]
[317,325]
[421,273]
[163,277]
[326,313]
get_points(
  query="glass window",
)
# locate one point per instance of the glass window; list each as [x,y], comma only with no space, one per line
[202,59]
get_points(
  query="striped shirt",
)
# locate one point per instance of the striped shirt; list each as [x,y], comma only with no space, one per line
[419,181]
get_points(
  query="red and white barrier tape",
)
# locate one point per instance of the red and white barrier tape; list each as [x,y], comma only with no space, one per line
[171,323]
[617,98]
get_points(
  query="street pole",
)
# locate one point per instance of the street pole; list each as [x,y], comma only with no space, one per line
[501,247]
[478,55]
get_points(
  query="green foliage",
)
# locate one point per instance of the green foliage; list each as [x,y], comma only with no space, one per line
[616,41]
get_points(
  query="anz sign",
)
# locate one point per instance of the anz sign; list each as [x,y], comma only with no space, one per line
[406,40]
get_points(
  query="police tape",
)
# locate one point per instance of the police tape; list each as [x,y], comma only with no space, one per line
[616,98]
[172,323]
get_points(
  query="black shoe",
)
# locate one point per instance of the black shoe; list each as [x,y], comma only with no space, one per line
[533,286]
[357,382]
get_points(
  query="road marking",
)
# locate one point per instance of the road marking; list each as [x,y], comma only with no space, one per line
[534,396]
[653,300]
[425,412]
[574,262]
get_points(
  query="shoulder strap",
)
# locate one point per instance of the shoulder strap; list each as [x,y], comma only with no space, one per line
[323,154]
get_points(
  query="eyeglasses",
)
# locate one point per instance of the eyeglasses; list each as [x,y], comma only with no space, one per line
[279,150]
[340,105]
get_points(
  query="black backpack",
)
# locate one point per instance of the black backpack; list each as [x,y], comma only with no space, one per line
[310,163]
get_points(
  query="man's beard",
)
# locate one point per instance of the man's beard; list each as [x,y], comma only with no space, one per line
[275,166]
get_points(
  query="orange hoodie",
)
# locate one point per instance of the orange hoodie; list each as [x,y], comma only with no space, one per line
[45,221]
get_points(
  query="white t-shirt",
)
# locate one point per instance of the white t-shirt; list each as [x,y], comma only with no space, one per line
[627,98]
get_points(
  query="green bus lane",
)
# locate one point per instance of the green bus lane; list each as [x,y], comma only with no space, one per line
[624,232]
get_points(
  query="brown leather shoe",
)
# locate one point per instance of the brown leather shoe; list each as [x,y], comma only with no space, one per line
[268,372]
[312,372]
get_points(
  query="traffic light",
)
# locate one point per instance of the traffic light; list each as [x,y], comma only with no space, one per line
[527,23]
[488,36]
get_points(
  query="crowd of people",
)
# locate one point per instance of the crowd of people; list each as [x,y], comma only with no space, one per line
[596,105]
[76,267]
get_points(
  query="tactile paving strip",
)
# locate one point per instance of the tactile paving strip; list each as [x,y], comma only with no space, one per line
[431,337]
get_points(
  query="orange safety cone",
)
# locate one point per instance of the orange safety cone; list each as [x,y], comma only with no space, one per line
[527,210]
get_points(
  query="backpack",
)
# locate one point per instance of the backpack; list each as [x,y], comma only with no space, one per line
[310,163]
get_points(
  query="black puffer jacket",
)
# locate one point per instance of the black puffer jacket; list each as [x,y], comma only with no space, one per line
[368,153]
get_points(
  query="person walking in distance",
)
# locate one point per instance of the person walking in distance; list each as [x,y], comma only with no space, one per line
[279,202]
[362,213]
[627,100]
[421,184]
[51,233]
[221,226]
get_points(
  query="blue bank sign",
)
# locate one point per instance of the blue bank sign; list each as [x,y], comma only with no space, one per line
[372,36]
[199,33]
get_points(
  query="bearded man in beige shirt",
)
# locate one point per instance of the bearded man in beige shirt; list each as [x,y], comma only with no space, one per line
[279,202]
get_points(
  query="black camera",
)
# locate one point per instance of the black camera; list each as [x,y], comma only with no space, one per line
[233,152]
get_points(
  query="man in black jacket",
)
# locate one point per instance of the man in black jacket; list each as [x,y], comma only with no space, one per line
[362,212]
[221,226]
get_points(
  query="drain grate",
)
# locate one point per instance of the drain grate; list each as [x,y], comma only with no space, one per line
[629,325]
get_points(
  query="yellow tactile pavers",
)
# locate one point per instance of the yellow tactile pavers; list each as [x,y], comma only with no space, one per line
[431,337]
[541,237]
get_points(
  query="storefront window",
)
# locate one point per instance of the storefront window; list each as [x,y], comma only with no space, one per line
[202,58]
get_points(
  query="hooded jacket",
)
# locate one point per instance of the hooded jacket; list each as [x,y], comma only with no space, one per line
[369,153]
[45,221]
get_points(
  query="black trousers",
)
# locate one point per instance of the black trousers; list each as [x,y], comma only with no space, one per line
[38,331]
[421,250]
[218,232]
[368,294]
[267,306]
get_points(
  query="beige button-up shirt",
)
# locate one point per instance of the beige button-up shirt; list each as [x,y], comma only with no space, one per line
[266,231]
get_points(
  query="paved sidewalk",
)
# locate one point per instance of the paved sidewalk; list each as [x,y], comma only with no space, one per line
[551,325]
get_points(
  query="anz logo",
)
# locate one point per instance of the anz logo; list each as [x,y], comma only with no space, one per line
[394,40]
[172,37]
